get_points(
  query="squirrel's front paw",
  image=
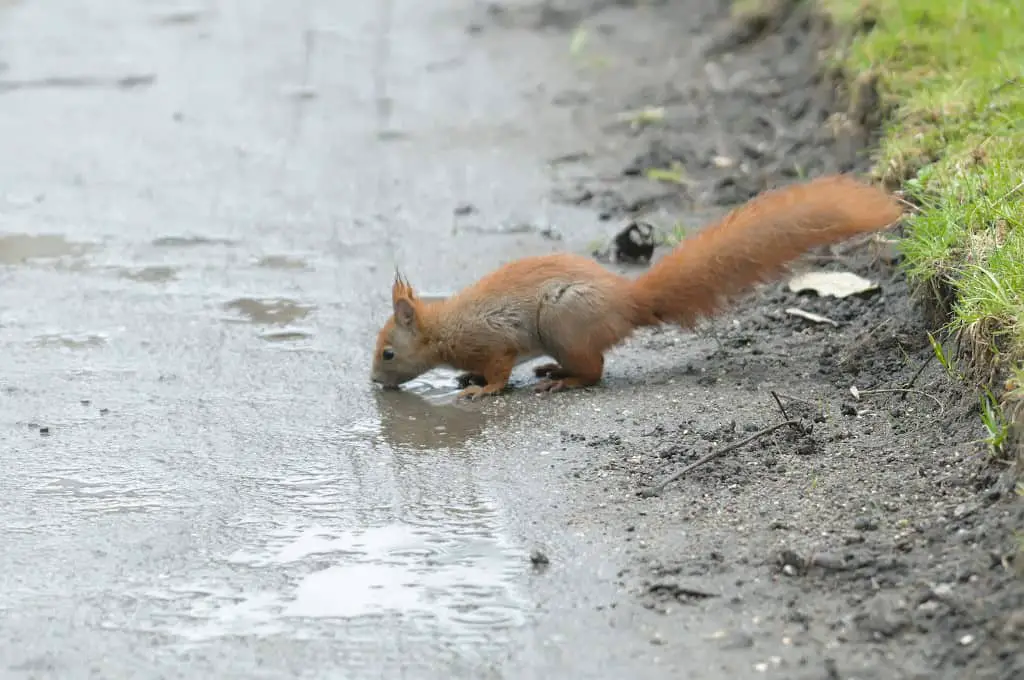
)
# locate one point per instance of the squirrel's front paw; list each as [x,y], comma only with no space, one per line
[474,392]
[471,393]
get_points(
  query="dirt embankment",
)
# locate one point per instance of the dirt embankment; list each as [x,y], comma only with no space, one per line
[876,540]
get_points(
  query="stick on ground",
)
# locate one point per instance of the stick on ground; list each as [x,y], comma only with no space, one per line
[660,486]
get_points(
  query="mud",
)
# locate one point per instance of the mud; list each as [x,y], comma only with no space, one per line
[875,539]
[201,482]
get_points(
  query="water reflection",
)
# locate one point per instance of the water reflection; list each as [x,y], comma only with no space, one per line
[427,420]
[377,530]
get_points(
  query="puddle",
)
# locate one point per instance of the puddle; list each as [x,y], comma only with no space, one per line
[21,249]
[281,262]
[358,545]
[427,420]
[155,274]
[448,582]
[269,310]
[63,341]
[107,496]
[190,242]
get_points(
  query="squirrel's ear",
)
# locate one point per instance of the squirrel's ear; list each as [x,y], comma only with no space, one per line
[405,312]
[401,289]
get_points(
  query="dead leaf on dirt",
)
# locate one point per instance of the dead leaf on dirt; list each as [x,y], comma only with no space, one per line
[833,284]
[811,316]
[855,392]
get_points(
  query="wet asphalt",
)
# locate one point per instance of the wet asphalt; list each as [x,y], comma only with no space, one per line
[201,209]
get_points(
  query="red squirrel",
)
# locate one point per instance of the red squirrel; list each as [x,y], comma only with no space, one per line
[570,308]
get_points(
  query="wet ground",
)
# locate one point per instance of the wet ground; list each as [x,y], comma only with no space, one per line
[202,208]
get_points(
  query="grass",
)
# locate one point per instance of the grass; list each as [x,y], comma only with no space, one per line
[950,75]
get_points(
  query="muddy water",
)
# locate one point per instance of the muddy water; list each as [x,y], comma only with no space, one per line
[201,210]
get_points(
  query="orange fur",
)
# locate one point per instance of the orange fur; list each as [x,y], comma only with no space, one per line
[572,309]
[756,241]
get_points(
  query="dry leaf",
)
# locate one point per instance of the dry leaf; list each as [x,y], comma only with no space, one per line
[834,284]
[811,316]
[855,392]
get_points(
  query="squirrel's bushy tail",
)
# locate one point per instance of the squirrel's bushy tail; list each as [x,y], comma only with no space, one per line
[755,242]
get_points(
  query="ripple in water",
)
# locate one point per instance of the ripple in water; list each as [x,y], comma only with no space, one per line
[435,582]
[345,557]
[106,495]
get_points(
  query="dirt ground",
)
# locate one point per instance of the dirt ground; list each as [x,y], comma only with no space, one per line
[878,537]
[202,209]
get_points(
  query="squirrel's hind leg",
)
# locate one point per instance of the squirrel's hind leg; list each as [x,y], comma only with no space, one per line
[576,326]
[579,368]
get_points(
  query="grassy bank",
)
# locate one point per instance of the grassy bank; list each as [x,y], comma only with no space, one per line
[950,76]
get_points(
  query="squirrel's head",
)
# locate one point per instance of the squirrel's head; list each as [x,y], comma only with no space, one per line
[402,352]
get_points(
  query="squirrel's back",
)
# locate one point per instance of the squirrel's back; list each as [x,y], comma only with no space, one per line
[755,242]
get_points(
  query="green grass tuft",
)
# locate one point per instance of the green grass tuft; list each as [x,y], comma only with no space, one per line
[951,77]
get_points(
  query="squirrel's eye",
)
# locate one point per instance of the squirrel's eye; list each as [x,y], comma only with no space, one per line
[388,354]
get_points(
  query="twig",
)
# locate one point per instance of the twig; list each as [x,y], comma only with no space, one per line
[658,488]
[783,409]
[904,390]
[796,399]
[917,374]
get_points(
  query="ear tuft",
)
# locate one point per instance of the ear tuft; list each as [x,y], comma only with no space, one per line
[401,288]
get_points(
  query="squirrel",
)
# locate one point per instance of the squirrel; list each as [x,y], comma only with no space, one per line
[570,308]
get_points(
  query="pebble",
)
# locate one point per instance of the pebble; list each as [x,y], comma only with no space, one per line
[865,524]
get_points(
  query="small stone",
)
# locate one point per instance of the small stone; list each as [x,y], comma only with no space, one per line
[538,558]
[966,640]
[44,430]
[865,524]
[828,561]
[789,570]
